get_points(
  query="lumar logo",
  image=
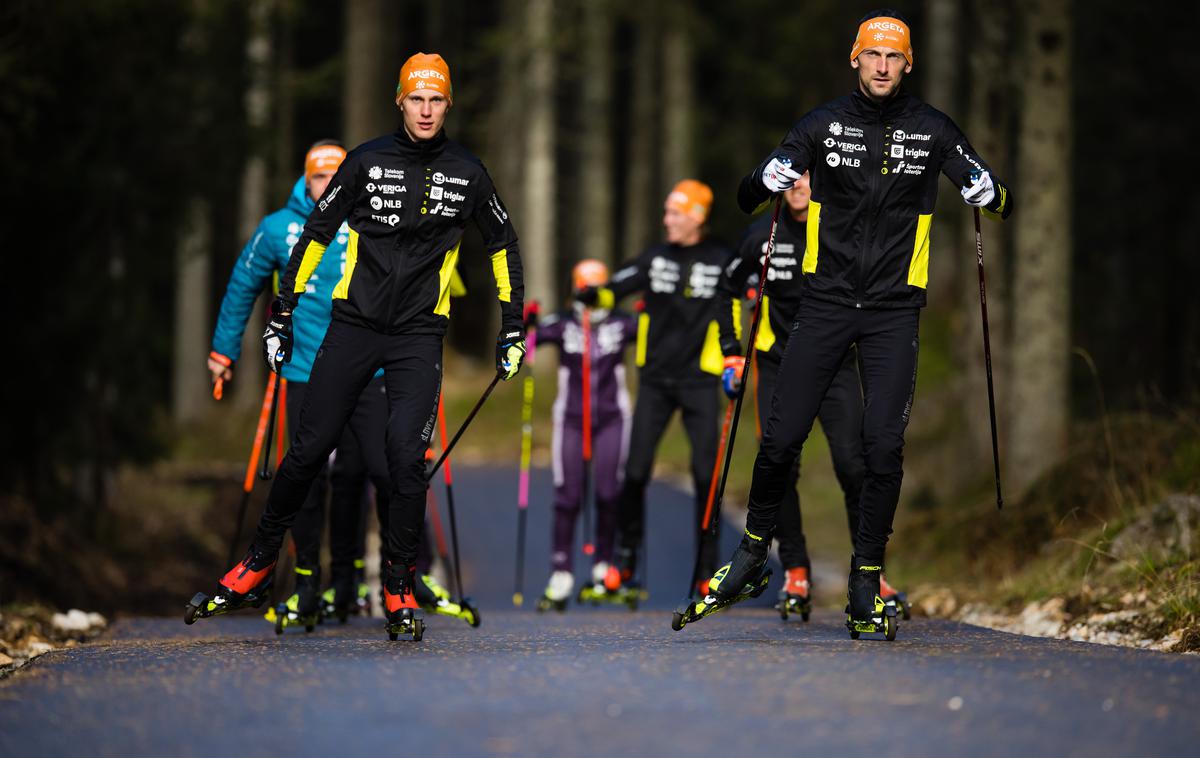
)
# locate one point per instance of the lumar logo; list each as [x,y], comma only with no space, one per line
[426,73]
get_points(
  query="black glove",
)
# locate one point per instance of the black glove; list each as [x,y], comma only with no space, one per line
[588,295]
[731,347]
[510,352]
[277,339]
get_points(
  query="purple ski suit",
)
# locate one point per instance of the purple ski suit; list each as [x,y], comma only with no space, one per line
[611,411]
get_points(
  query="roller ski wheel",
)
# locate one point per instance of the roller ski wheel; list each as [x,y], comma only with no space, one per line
[691,611]
[884,622]
[545,604]
[246,585]
[405,622]
[793,605]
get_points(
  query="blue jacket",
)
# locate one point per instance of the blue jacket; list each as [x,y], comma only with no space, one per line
[266,254]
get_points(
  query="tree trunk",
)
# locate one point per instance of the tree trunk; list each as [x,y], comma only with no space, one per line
[537,233]
[640,179]
[250,371]
[987,126]
[1041,284]
[596,140]
[372,68]
[678,100]
[941,62]
[189,395]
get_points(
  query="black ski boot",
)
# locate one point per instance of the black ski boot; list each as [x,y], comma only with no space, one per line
[303,608]
[245,585]
[866,613]
[435,598]
[400,605]
[744,577]
[340,600]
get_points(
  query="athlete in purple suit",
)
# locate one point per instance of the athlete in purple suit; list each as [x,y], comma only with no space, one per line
[611,333]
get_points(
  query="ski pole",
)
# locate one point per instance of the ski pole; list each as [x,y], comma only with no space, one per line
[987,358]
[265,473]
[281,430]
[588,486]
[712,491]
[737,408]
[470,417]
[441,412]
[248,483]
[523,480]
[439,534]
[218,389]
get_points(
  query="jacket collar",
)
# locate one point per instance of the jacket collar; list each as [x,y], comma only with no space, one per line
[424,150]
[893,106]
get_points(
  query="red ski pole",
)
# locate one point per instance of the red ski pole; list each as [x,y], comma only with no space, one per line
[260,434]
[588,494]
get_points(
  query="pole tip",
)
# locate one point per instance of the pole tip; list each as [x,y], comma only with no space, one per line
[589,549]
[518,599]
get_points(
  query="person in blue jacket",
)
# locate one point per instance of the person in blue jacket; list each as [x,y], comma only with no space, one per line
[265,257]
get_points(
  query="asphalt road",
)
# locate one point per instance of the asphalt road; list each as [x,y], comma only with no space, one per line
[593,681]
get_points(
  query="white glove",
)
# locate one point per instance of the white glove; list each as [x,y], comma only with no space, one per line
[981,192]
[778,175]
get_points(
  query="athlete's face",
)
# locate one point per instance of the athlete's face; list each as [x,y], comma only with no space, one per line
[681,228]
[880,70]
[798,196]
[317,183]
[424,113]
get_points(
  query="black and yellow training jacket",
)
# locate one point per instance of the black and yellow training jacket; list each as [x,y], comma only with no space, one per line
[874,184]
[678,339]
[407,204]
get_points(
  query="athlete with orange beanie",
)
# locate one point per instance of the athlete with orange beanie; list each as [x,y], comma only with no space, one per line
[678,355]
[608,413]
[874,157]
[406,198]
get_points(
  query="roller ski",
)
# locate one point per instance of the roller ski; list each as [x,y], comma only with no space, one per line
[866,612]
[303,608]
[435,598]
[745,576]
[794,598]
[246,585]
[608,588]
[895,598]
[557,592]
[400,604]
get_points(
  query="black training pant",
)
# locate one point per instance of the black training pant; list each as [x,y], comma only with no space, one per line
[841,415]
[352,464]
[887,351]
[348,358]
[656,403]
